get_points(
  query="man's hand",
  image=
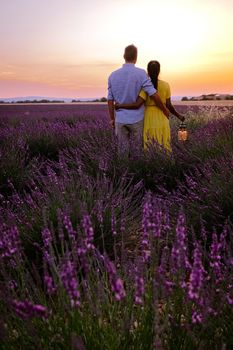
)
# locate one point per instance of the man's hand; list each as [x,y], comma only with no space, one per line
[111,112]
[112,123]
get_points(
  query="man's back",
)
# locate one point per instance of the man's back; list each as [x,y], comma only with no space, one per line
[124,86]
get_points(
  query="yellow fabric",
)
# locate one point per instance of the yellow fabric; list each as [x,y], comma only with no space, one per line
[156,124]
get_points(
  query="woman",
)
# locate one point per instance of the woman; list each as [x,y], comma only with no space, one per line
[156,124]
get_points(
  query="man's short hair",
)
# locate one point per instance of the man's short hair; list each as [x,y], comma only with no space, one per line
[131,53]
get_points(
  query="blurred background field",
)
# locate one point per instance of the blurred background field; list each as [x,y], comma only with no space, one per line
[49,109]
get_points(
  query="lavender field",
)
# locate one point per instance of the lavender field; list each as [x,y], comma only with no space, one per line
[100,251]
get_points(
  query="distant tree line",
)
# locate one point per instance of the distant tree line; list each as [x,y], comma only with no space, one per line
[209,97]
[40,101]
[102,99]
[34,101]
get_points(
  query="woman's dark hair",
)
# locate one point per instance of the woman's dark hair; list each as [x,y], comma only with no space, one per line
[153,69]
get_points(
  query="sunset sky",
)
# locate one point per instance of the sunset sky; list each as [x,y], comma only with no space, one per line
[67,48]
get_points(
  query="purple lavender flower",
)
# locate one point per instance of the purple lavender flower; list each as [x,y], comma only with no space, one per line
[223,237]
[139,289]
[69,228]
[49,284]
[229,299]
[12,284]
[215,258]
[119,289]
[146,226]
[85,244]
[203,232]
[113,223]
[117,284]
[47,240]
[179,249]
[26,309]
[158,223]
[99,211]
[89,232]
[196,318]
[153,223]
[60,226]
[52,175]
[83,258]
[47,237]
[196,277]
[68,277]
[166,220]
[163,267]
[162,272]
[10,244]
[122,228]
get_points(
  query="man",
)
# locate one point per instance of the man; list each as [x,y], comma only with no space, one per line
[124,86]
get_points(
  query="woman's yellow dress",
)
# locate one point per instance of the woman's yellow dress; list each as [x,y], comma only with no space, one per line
[156,124]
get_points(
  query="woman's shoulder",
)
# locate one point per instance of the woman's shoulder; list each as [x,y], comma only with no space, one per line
[163,83]
[164,87]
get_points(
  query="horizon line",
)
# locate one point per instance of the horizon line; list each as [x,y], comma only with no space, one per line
[98,97]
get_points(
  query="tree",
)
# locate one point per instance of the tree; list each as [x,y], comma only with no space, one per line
[103,99]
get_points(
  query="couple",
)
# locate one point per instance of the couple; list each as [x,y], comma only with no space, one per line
[142,103]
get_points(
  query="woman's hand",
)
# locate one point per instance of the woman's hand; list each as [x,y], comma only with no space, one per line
[117,106]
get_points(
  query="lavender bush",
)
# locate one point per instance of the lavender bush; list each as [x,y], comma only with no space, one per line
[101,251]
